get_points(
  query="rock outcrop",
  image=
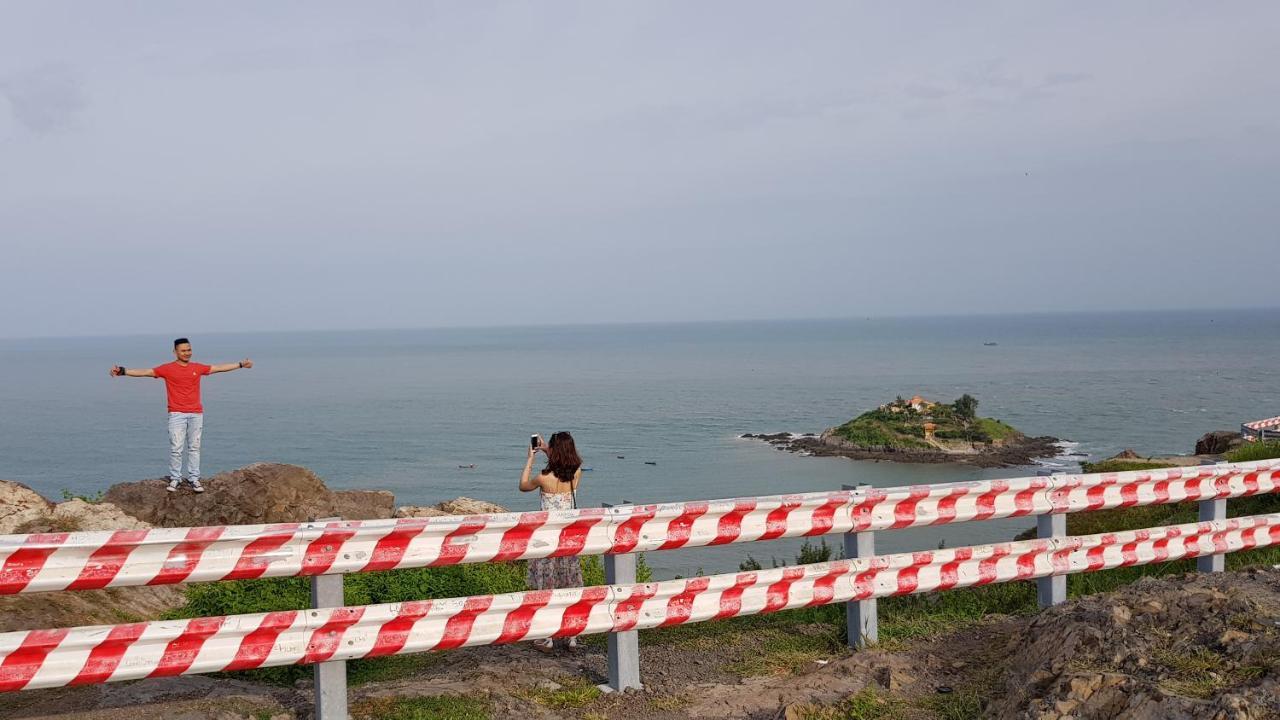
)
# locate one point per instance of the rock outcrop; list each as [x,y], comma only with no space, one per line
[78,515]
[419,511]
[20,506]
[1218,442]
[469,506]
[258,493]
[457,506]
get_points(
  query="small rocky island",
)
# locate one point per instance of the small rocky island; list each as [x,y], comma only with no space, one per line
[921,431]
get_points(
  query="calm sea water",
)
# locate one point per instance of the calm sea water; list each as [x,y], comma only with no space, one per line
[402,410]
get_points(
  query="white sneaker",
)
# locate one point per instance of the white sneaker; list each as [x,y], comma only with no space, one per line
[172,486]
[195,485]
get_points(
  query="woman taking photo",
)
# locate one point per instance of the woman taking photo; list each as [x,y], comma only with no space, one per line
[558,483]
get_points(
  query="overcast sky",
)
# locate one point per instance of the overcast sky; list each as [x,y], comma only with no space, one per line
[194,167]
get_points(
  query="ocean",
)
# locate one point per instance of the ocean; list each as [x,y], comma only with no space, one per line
[405,410]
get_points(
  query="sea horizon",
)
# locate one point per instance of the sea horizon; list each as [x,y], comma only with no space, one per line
[663,322]
[411,410]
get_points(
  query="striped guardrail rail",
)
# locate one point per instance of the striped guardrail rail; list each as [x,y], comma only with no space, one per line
[93,560]
[53,658]
[1268,429]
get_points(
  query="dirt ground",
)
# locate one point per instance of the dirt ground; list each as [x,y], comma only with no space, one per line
[1195,646]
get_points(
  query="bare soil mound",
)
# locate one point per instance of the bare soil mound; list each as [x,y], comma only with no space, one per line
[1197,646]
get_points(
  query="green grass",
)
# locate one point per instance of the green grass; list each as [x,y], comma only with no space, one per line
[962,704]
[910,618]
[783,652]
[574,692]
[995,429]
[869,432]
[1201,673]
[266,595]
[440,707]
[669,703]
[866,704]
[1255,451]
[392,667]
[1108,466]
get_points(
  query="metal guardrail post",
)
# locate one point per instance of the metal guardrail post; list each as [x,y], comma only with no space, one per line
[624,647]
[1211,510]
[1051,590]
[330,677]
[862,623]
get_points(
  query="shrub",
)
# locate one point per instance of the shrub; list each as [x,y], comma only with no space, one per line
[1107,466]
[1255,451]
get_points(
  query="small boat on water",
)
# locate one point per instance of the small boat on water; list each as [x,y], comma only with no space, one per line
[990,344]
[650,462]
[472,466]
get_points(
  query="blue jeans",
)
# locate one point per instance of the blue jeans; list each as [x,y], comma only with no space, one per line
[184,431]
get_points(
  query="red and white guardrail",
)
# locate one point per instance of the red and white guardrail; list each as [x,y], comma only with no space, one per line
[92,560]
[53,658]
[1260,429]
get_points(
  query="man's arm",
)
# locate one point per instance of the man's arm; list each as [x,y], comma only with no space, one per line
[122,371]
[228,367]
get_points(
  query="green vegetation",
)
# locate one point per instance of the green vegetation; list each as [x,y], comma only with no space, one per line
[669,703]
[91,499]
[784,652]
[1201,673]
[573,692]
[808,633]
[440,707]
[866,704]
[1245,453]
[266,595]
[1120,465]
[901,426]
[1255,451]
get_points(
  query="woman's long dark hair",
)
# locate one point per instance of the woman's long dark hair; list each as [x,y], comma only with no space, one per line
[562,457]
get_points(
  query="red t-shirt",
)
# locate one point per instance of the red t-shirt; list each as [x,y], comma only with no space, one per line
[182,382]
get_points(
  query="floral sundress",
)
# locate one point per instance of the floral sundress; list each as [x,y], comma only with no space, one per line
[558,572]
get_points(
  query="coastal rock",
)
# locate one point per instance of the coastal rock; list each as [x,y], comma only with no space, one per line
[78,515]
[363,504]
[1021,451]
[1218,442]
[469,506]
[256,494]
[418,511]
[19,506]
[1126,454]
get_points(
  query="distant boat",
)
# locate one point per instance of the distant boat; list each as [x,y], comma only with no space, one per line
[990,344]
[622,457]
[650,462]
[585,469]
[472,466]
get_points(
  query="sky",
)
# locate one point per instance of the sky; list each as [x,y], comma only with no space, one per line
[183,167]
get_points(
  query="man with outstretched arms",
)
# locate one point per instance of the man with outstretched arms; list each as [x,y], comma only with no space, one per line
[186,414]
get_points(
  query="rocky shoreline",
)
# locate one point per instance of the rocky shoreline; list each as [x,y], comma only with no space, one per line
[1021,451]
[262,493]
